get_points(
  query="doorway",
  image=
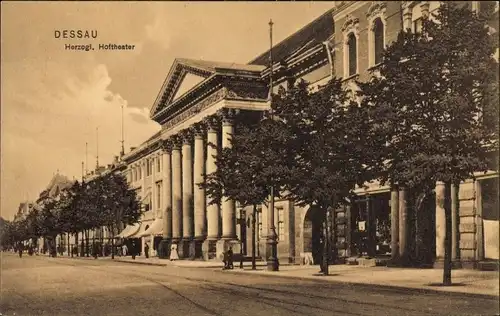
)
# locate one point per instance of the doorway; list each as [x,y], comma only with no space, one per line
[313,224]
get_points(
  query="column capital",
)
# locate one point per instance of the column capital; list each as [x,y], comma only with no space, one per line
[212,123]
[228,115]
[199,129]
[187,136]
[176,142]
[166,146]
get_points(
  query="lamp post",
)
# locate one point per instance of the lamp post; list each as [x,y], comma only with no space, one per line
[272,260]
[242,224]
[254,244]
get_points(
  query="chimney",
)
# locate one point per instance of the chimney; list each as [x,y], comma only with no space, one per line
[116,159]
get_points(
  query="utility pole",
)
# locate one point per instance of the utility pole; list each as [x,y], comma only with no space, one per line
[272,260]
[122,152]
[97,148]
[86,159]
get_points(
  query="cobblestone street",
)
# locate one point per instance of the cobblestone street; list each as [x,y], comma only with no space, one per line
[62,286]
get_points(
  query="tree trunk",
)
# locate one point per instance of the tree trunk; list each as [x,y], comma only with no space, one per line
[77,245]
[325,244]
[112,232]
[254,244]
[87,243]
[447,240]
[69,245]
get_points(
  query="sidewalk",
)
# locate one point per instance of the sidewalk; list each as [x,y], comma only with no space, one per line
[465,281]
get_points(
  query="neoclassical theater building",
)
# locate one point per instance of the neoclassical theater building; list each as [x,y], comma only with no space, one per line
[197,106]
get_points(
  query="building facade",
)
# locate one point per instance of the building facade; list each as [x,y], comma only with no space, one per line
[197,107]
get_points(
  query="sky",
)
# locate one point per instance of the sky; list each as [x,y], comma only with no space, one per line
[53,100]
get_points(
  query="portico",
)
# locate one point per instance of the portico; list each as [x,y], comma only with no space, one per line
[198,119]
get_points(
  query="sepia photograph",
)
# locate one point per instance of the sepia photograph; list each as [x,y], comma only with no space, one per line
[249,158]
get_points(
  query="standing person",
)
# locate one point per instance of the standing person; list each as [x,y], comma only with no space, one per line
[133,249]
[225,261]
[124,250]
[173,253]
[146,250]
[20,249]
[230,258]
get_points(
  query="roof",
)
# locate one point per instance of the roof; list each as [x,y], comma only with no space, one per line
[214,66]
[58,183]
[143,146]
[316,32]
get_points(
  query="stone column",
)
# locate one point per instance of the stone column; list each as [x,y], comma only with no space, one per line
[199,193]
[394,223]
[440,221]
[176,191]
[167,197]
[455,232]
[403,225]
[210,248]
[187,192]
[228,206]
[213,211]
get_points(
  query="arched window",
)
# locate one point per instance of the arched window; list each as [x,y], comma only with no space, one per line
[378,38]
[351,44]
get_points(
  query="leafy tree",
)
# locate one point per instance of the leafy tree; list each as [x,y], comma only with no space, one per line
[118,203]
[331,146]
[436,103]
[246,170]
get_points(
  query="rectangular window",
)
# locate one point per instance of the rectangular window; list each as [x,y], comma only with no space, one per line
[158,194]
[281,224]
[158,165]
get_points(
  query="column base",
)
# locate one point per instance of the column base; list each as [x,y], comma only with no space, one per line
[183,248]
[197,251]
[209,249]
[164,249]
[223,245]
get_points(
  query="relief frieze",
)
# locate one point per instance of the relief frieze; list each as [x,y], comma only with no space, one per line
[195,109]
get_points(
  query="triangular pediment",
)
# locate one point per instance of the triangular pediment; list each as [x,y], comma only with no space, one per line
[189,81]
[183,76]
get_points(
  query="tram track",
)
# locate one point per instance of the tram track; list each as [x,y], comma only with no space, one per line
[296,302]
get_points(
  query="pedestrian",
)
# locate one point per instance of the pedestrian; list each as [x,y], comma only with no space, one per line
[95,250]
[20,249]
[173,253]
[132,250]
[230,258]
[146,250]
[124,250]
[224,260]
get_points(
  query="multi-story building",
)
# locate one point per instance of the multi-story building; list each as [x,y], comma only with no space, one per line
[196,108]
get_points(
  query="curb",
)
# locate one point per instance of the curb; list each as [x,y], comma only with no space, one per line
[378,286]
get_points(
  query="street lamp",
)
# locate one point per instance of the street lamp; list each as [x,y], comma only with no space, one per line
[272,260]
